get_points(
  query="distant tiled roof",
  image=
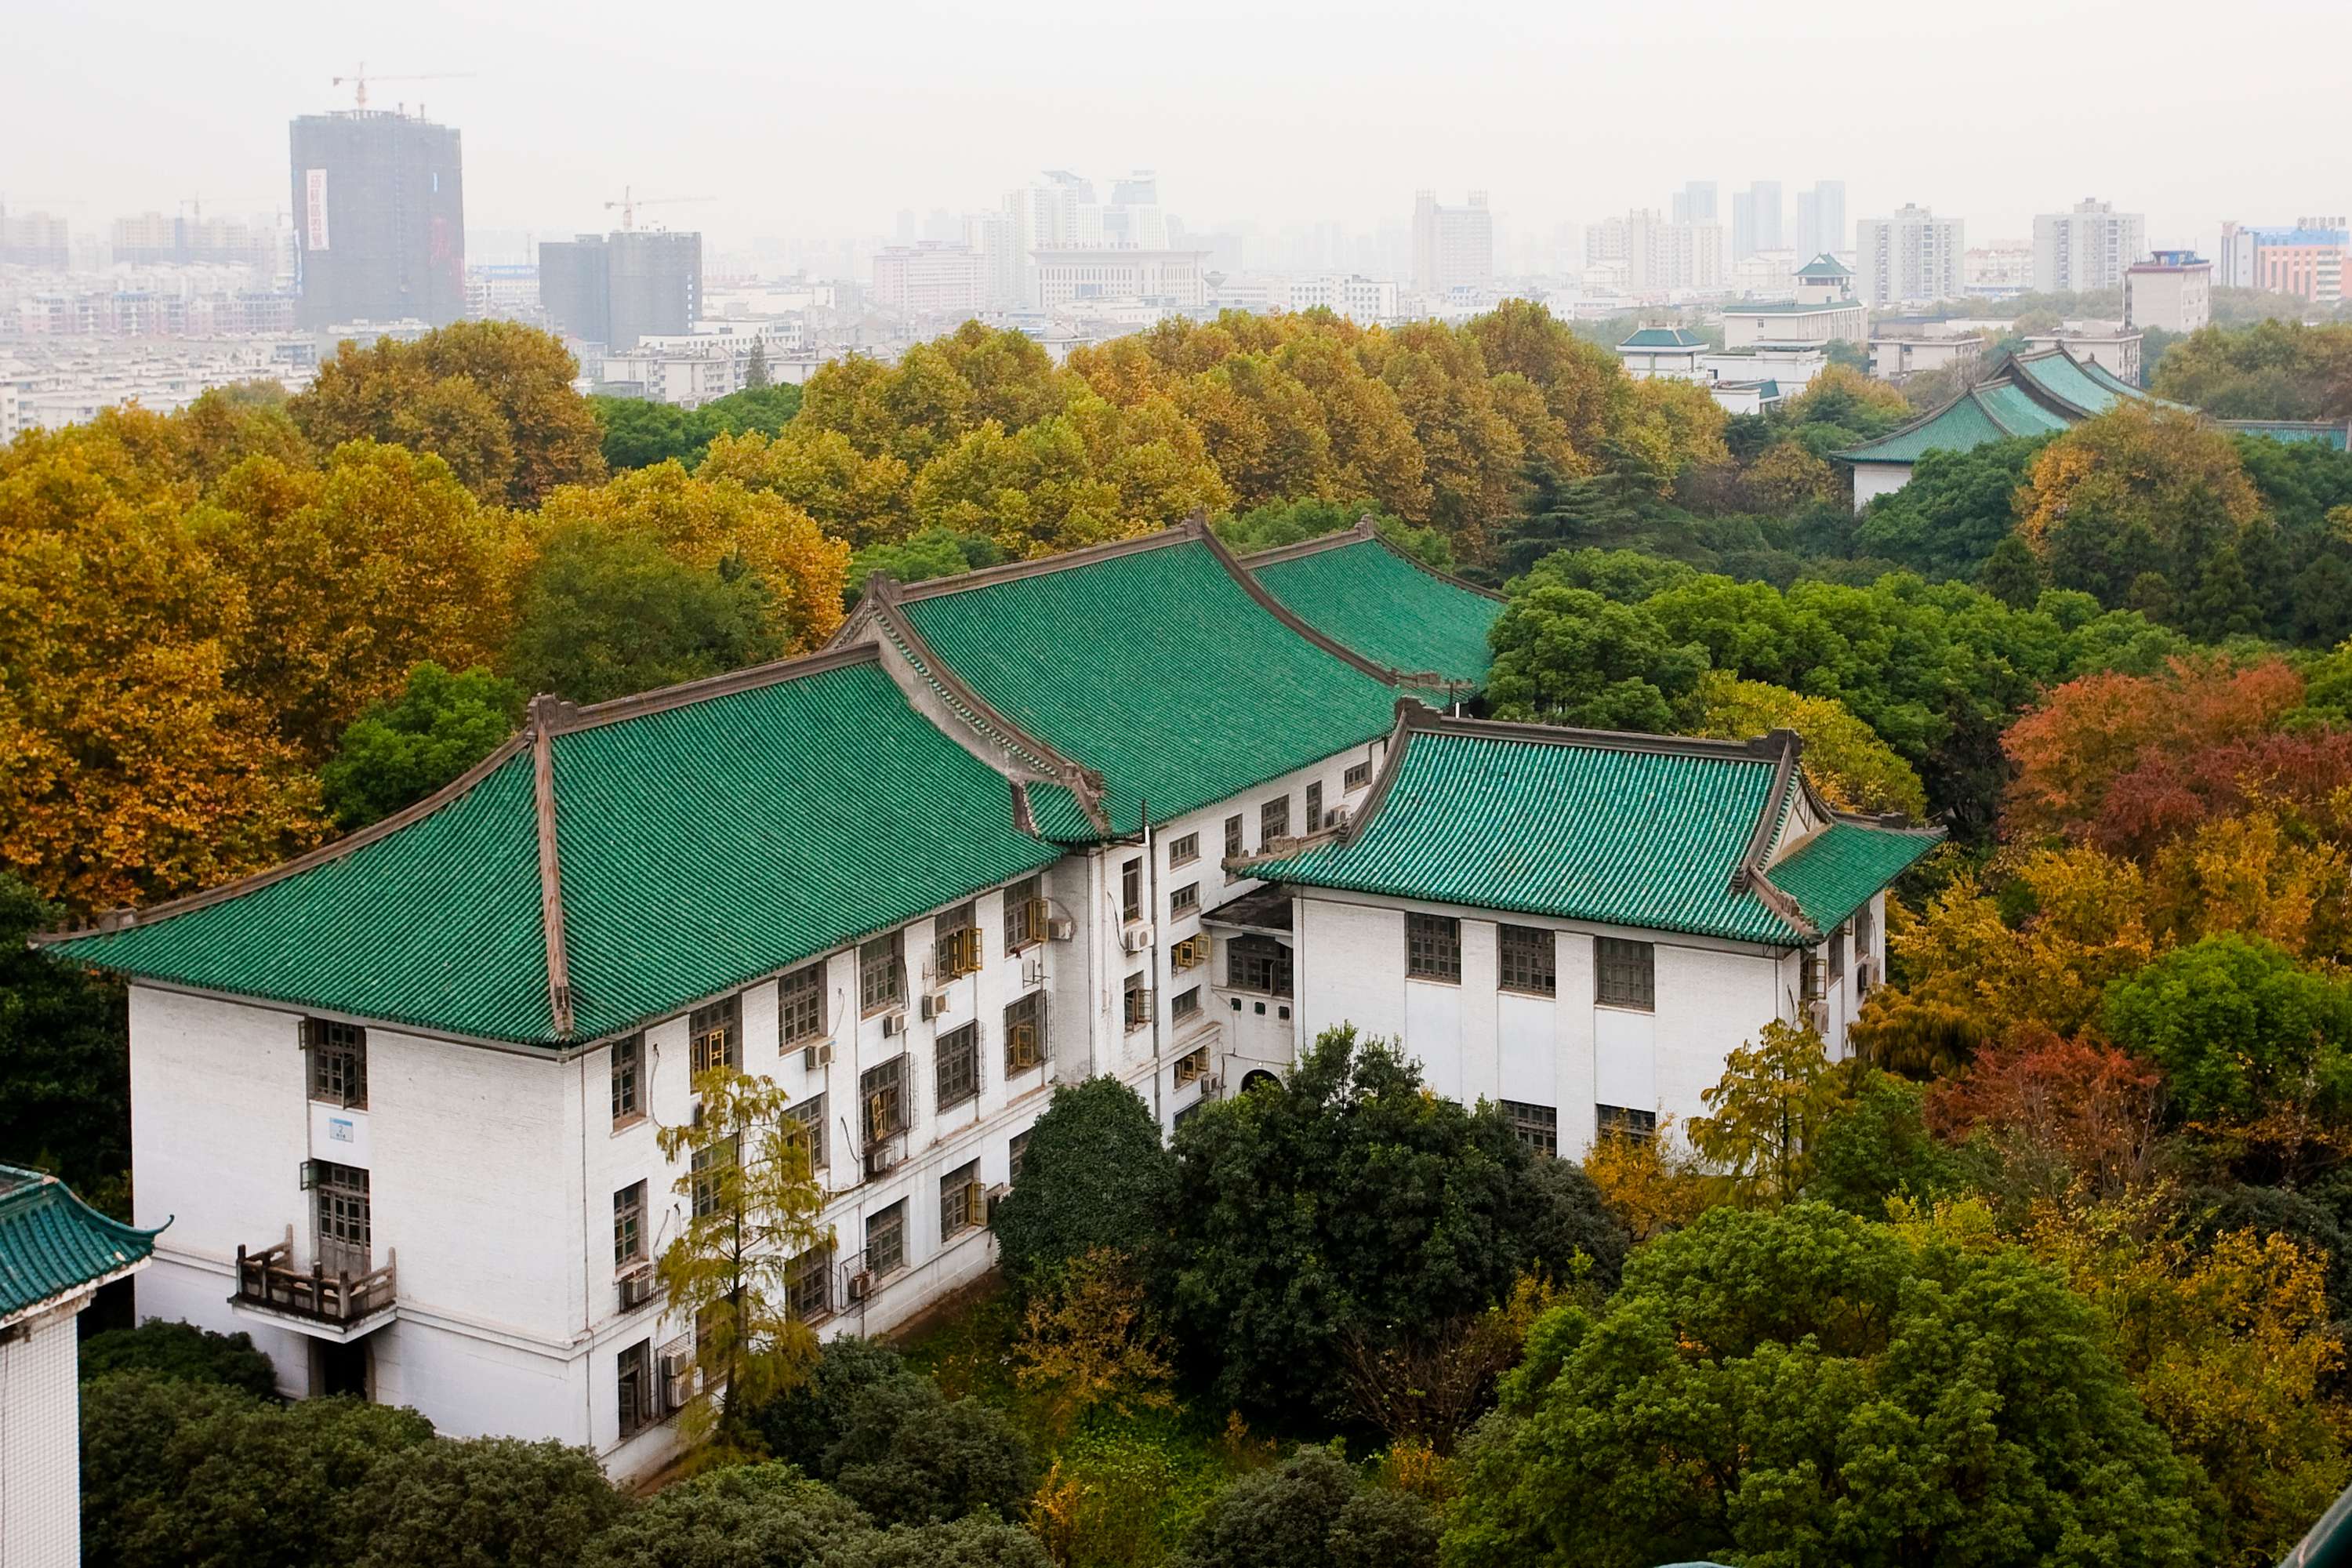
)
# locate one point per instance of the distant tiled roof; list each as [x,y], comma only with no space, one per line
[1664,338]
[2034,395]
[1789,307]
[1653,832]
[1353,587]
[1123,660]
[695,840]
[52,1243]
[1825,266]
[2326,433]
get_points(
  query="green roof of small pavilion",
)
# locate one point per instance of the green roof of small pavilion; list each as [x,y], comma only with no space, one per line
[1825,266]
[53,1243]
[682,843]
[1664,338]
[1115,658]
[1359,590]
[1653,832]
[2035,393]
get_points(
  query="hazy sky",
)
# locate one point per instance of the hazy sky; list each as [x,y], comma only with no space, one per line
[828,118]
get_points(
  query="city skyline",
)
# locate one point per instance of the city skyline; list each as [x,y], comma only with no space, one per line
[122,133]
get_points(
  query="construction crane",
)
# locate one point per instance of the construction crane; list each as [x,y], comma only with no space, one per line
[359,79]
[629,203]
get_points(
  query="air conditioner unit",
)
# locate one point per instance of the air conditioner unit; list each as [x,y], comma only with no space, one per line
[677,1392]
[675,1366]
[1336,818]
[1213,1085]
[1033,969]
[636,1288]
[1136,937]
[934,1004]
[1061,927]
[817,1056]
[881,1158]
[861,1285]
[1817,1015]
[893,1025]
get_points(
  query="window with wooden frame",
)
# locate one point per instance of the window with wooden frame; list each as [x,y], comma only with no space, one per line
[708,1169]
[807,1114]
[1255,962]
[800,1007]
[1185,900]
[962,1207]
[1184,851]
[1193,1066]
[1016,1151]
[808,1285]
[338,1062]
[1130,891]
[1834,949]
[1137,1001]
[629,1225]
[1233,837]
[1185,1005]
[1527,959]
[882,973]
[633,1380]
[628,1081]
[714,1037]
[955,945]
[1432,947]
[1025,914]
[886,1240]
[1357,775]
[1625,974]
[882,1090]
[346,1226]
[1864,933]
[1537,1127]
[1314,806]
[956,1065]
[1619,1121]
[1274,820]
[1025,1033]
[1192,952]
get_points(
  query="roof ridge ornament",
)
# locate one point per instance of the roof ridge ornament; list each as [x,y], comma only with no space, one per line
[547,711]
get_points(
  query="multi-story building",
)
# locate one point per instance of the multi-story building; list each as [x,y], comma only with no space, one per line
[691,369]
[153,238]
[2172,292]
[379,218]
[1823,312]
[1067,275]
[1997,270]
[1452,247]
[1662,256]
[931,278]
[402,1094]
[1912,254]
[621,288]
[1821,219]
[991,238]
[33,239]
[1695,202]
[503,291]
[2086,248]
[1757,217]
[55,1253]
[2306,260]
[1605,241]
[1367,302]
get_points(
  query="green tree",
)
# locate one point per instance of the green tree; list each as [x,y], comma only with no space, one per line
[1955,511]
[751,1210]
[491,398]
[1352,1205]
[745,1516]
[799,1423]
[933,552]
[397,753]
[2239,1027]
[1802,1387]
[489,1502]
[1095,1174]
[908,1455]
[1877,1147]
[973,1542]
[1767,1112]
[755,374]
[605,613]
[1310,1511]
[1567,656]
[65,1060]
[181,1351]
[1278,523]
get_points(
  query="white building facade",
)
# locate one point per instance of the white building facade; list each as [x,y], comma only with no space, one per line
[1911,255]
[2087,247]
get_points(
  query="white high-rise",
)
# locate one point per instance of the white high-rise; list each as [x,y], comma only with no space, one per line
[1911,255]
[1820,220]
[1452,247]
[2089,248]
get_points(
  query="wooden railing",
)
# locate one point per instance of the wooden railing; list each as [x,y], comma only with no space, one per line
[268,1279]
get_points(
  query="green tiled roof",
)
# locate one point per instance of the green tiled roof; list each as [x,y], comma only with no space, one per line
[1154,667]
[1825,266]
[2330,433]
[703,840]
[2035,394]
[52,1243]
[1383,606]
[2085,385]
[1664,338]
[1837,870]
[1789,306]
[1629,830]
[1959,426]
[1589,830]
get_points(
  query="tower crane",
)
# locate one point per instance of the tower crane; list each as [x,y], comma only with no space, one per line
[629,203]
[359,79]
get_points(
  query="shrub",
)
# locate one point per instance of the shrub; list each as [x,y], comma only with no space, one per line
[489,1502]
[907,1455]
[1095,1174]
[182,1353]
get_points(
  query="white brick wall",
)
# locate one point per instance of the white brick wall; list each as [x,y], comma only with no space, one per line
[40,1450]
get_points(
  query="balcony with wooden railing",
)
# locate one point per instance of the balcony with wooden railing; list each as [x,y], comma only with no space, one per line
[341,1304]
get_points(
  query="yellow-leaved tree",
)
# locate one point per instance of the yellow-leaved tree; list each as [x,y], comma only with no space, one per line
[750,1220]
[1843,759]
[1766,1114]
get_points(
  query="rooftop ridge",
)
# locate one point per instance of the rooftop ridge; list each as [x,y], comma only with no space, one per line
[1263,596]
[1361,533]
[1769,747]
[566,718]
[551,870]
[1042,565]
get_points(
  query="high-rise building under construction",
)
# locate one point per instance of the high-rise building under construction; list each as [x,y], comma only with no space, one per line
[379,218]
[618,288]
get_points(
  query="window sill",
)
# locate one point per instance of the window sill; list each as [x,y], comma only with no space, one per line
[1635,1008]
[1453,980]
[1550,995]
[629,1123]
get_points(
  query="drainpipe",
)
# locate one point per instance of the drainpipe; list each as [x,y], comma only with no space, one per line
[1151,882]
